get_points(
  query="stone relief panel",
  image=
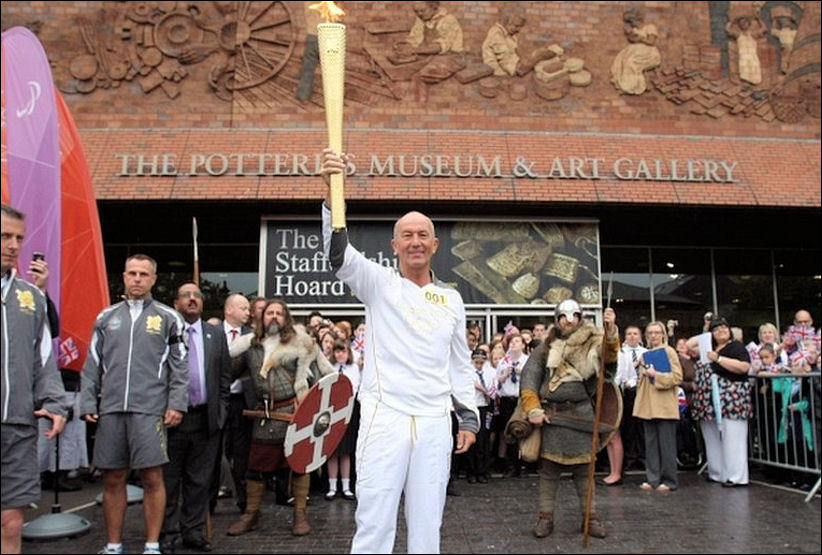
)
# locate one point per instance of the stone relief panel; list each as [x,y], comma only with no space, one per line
[242,44]
[434,49]
[778,79]
[641,54]
[747,59]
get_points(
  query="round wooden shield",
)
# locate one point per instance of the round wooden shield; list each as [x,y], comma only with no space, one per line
[319,423]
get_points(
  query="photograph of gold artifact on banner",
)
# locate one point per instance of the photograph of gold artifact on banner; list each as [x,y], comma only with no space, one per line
[538,262]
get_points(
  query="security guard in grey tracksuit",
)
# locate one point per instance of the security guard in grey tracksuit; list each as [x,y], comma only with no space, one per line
[30,386]
[138,365]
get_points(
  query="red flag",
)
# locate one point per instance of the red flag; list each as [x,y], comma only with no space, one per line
[84,282]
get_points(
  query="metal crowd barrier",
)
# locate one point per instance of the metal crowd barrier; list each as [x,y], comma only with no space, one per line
[784,432]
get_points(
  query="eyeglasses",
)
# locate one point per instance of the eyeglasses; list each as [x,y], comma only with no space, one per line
[189,295]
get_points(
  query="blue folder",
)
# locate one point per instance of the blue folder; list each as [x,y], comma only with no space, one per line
[658,358]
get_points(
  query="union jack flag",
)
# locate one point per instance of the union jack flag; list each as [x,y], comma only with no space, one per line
[798,334]
[68,352]
[799,358]
[358,343]
[493,393]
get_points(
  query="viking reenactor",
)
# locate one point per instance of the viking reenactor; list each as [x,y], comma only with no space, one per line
[282,362]
[558,382]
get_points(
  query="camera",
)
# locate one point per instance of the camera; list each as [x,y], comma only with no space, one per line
[35,256]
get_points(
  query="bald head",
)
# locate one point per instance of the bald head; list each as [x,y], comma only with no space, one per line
[414,217]
[803,318]
[236,309]
[415,243]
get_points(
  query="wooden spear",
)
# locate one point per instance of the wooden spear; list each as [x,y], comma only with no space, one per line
[196,252]
[589,495]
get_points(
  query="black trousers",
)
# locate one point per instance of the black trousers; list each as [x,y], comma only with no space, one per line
[479,452]
[192,454]
[237,444]
[631,430]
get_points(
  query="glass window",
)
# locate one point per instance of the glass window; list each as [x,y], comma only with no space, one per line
[224,269]
[217,286]
[174,267]
[682,287]
[631,298]
[744,288]
[798,284]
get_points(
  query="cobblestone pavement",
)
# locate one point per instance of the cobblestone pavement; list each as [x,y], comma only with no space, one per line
[497,518]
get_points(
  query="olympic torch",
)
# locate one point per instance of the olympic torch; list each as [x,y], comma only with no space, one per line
[331,39]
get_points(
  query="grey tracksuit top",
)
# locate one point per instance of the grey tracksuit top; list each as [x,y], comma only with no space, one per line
[29,371]
[136,366]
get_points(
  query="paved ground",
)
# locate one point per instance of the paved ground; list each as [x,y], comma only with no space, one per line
[497,518]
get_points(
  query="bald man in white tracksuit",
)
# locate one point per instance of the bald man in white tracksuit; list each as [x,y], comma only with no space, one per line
[417,366]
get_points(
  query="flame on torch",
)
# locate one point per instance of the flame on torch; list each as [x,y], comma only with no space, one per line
[329,11]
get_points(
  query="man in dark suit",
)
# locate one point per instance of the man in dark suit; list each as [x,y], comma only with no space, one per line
[193,447]
[237,434]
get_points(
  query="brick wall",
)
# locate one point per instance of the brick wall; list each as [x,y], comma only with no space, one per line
[592,31]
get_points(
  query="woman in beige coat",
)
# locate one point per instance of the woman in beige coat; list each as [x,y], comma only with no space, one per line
[657,406]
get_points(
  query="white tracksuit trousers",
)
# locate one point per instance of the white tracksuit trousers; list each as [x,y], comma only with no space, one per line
[399,453]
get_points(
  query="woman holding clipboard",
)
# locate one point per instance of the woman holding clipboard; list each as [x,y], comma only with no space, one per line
[723,405]
[658,407]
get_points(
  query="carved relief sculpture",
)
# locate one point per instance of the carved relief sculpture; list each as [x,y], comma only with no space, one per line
[553,78]
[311,54]
[438,34]
[630,65]
[249,43]
[784,28]
[500,49]
[798,95]
[746,29]
[500,52]
[243,52]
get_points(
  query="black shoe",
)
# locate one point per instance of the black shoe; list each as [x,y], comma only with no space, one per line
[472,479]
[224,493]
[197,544]
[348,495]
[452,490]
[733,485]
[602,482]
[168,546]
[482,479]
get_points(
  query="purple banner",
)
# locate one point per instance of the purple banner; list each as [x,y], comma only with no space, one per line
[32,149]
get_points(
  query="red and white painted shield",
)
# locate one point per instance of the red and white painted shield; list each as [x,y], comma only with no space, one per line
[319,424]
